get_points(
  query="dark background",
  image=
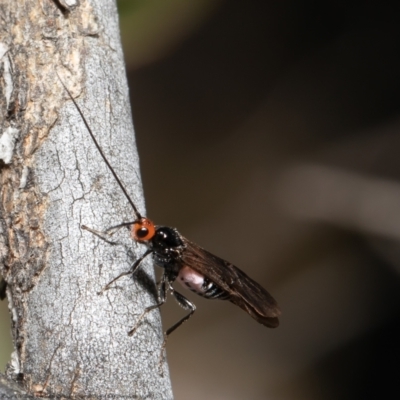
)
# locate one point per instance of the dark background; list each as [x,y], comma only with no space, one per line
[269,134]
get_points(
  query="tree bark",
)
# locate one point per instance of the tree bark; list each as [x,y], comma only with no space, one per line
[70,341]
[10,390]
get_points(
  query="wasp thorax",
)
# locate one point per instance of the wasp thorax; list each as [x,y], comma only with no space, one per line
[143,230]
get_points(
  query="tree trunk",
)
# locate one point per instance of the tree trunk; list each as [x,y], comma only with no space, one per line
[69,341]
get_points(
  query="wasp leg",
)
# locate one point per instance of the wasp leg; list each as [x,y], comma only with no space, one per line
[117,227]
[186,305]
[99,234]
[131,271]
[108,232]
[162,298]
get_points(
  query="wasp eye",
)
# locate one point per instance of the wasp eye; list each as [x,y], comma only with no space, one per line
[143,230]
[142,233]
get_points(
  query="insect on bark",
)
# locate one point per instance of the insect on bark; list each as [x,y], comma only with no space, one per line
[184,261]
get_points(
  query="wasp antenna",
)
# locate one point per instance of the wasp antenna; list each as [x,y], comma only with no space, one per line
[138,215]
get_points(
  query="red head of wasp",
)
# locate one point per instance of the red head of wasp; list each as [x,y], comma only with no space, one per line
[195,268]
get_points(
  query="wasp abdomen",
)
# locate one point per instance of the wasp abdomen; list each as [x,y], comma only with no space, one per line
[199,284]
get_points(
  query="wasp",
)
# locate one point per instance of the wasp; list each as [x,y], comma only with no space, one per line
[184,261]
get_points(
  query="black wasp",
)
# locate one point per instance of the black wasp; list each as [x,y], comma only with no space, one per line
[195,268]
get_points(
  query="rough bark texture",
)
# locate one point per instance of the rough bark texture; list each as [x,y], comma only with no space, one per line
[11,391]
[69,341]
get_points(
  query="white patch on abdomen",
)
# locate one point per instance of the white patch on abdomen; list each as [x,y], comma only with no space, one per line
[191,279]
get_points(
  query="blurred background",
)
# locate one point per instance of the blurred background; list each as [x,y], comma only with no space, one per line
[269,134]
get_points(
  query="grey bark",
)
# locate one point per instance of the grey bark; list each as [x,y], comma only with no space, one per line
[10,390]
[70,341]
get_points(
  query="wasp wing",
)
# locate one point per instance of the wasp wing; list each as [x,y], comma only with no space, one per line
[242,290]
